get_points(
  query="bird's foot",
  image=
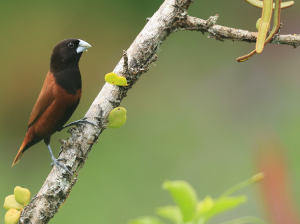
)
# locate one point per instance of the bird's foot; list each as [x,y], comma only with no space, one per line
[60,159]
[76,123]
[60,165]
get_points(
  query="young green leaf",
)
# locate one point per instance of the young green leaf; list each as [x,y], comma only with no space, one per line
[145,220]
[276,21]
[205,206]
[117,117]
[170,212]
[259,4]
[246,57]
[253,179]
[12,216]
[276,25]
[184,196]
[22,195]
[114,79]
[246,220]
[258,23]
[264,25]
[209,208]
[10,202]
[224,204]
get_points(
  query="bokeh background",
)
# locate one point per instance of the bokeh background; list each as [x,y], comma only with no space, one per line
[197,115]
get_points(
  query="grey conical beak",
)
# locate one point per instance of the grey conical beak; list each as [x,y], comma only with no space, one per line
[82,46]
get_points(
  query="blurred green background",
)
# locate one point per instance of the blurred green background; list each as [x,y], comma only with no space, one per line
[196,115]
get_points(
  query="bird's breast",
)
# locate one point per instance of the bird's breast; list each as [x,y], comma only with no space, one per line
[69,80]
[58,113]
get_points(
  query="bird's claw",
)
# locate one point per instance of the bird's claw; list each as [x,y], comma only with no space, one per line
[76,123]
[60,159]
[88,122]
[60,165]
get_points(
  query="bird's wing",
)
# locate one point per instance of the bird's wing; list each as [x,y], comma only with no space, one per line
[44,100]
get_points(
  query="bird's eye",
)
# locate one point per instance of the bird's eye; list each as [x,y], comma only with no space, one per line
[70,45]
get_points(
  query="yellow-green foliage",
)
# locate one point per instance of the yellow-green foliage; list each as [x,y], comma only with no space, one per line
[117,117]
[10,202]
[114,79]
[22,195]
[258,23]
[15,204]
[189,210]
[12,216]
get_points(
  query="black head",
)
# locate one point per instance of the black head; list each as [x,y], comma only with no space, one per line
[67,54]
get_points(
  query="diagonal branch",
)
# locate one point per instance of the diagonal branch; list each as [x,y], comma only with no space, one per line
[171,17]
[133,64]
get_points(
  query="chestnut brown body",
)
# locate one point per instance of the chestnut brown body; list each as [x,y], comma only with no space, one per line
[59,97]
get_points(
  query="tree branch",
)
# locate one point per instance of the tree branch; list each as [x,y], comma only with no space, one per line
[222,32]
[171,17]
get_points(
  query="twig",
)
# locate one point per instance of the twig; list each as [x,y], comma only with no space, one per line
[222,32]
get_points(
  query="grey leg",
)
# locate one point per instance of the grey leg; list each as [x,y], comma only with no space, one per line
[56,161]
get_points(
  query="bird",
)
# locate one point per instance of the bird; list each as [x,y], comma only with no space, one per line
[58,99]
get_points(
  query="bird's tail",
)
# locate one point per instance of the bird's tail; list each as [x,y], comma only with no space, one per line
[20,153]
